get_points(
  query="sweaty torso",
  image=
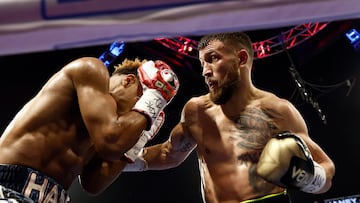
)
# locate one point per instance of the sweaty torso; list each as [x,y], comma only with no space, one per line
[48,133]
[229,148]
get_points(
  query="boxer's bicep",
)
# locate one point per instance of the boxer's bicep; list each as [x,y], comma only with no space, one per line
[97,107]
[111,134]
[298,126]
[91,82]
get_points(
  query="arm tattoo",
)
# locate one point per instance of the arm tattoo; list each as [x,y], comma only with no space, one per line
[185,145]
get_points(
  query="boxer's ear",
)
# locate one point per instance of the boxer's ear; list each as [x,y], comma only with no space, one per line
[243,56]
[129,79]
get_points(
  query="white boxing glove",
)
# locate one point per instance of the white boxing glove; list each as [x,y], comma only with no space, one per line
[132,154]
[160,84]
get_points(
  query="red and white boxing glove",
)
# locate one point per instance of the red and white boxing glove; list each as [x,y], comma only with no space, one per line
[132,154]
[160,84]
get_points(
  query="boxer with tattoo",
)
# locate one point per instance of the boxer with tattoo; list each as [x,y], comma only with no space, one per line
[251,144]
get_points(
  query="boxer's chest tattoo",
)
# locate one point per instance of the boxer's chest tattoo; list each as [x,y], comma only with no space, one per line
[249,157]
[253,128]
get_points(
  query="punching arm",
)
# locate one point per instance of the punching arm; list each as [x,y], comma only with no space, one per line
[137,150]
[175,150]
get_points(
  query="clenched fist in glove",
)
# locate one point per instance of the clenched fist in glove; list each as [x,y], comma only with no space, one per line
[132,154]
[287,162]
[160,84]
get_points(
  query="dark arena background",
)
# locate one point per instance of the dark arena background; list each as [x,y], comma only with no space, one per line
[315,65]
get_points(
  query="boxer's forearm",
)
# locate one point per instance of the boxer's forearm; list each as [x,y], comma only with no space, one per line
[100,174]
[157,157]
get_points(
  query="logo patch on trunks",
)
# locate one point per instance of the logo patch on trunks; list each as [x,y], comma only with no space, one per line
[43,190]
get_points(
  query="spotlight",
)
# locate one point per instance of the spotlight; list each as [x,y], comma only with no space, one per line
[353,35]
[114,51]
[354,38]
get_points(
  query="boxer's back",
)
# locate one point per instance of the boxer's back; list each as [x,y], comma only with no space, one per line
[48,134]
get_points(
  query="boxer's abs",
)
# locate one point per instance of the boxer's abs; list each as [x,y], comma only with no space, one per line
[61,159]
[242,184]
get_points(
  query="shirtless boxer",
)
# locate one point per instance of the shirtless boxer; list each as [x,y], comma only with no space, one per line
[80,124]
[251,144]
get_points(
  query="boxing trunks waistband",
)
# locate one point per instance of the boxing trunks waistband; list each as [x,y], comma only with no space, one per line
[32,184]
[280,197]
[11,196]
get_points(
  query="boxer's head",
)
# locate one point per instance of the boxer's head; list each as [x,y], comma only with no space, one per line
[125,86]
[226,59]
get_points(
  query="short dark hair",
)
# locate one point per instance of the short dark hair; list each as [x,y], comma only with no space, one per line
[233,38]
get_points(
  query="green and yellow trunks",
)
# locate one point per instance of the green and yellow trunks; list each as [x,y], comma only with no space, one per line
[280,197]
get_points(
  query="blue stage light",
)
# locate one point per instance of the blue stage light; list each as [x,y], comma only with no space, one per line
[114,51]
[353,35]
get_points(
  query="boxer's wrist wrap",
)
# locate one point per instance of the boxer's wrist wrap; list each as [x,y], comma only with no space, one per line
[133,153]
[317,182]
[145,136]
[140,164]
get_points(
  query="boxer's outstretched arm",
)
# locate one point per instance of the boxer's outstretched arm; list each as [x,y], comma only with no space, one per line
[172,152]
